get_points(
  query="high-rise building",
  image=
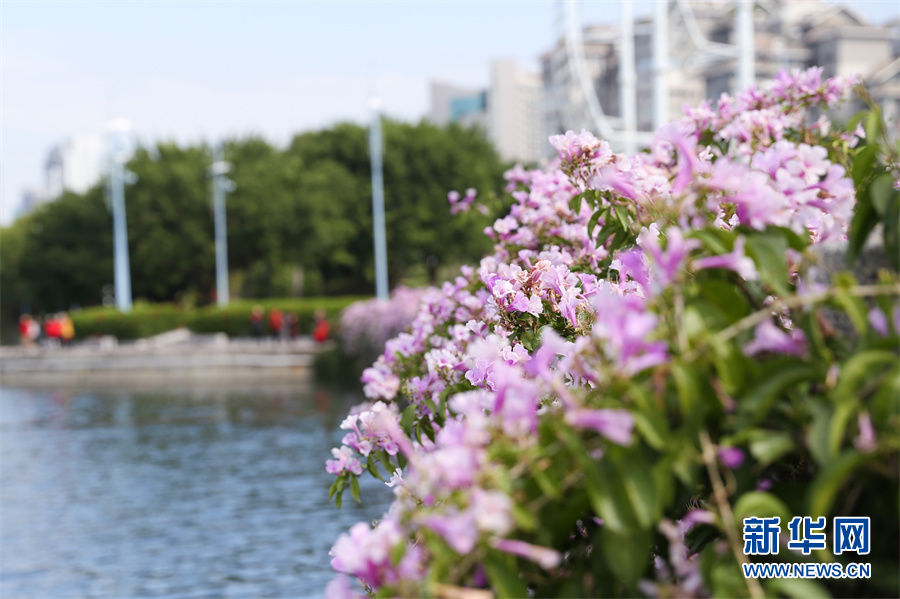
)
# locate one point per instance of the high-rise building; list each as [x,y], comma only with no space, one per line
[509,110]
[703,58]
[75,165]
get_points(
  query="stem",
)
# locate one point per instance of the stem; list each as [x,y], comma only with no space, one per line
[796,301]
[724,508]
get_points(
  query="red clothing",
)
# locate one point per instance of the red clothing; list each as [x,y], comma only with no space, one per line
[52,328]
[276,318]
[322,331]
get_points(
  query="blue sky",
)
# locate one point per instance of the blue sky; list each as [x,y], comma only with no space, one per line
[201,70]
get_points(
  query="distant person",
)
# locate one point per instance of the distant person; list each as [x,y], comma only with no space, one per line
[66,329]
[284,333]
[29,330]
[256,321]
[321,328]
[293,325]
[276,320]
[52,330]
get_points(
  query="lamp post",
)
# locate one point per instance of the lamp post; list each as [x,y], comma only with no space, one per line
[627,78]
[117,132]
[375,152]
[746,44]
[220,186]
[660,63]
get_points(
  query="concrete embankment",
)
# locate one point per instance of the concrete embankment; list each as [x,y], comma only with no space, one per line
[175,357]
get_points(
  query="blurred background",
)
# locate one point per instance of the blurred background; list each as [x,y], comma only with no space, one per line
[191,195]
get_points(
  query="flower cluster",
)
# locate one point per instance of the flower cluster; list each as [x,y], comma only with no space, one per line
[367,325]
[528,376]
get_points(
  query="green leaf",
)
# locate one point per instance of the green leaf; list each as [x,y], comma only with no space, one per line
[797,588]
[768,446]
[726,297]
[854,306]
[333,489]
[397,552]
[873,125]
[622,216]
[595,218]
[767,250]
[891,222]
[863,163]
[859,369]
[830,480]
[882,193]
[354,489]
[408,417]
[779,377]
[548,486]
[864,220]
[626,552]
[637,478]
[502,574]
[818,433]
[716,241]
[687,384]
[757,504]
[652,427]
[372,467]
[524,518]
[729,364]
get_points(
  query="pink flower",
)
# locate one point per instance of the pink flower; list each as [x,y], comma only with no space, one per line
[340,588]
[770,338]
[736,260]
[572,146]
[366,552]
[731,457]
[615,425]
[543,556]
[879,322]
[865,440]
[459,529]
[344,462]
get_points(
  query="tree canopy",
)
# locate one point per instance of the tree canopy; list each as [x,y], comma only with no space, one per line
[299,220]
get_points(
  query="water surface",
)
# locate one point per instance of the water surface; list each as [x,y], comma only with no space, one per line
[176,493]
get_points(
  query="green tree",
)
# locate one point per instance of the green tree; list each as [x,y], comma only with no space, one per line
[64,254]
[303,209]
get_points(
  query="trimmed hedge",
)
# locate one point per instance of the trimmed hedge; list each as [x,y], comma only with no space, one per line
[147,319]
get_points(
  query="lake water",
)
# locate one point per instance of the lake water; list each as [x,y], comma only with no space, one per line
[177,493]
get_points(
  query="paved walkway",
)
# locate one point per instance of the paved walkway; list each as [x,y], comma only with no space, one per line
[177,354]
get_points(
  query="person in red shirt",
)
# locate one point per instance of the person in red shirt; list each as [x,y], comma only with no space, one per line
[28,330]
[321,328]
[276,319]
[53,329]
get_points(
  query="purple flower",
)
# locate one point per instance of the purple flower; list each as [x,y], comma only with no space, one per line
[879,322]
[459,529]
[865,440]
[632,264]
[380,382]
[736,260]
[731,457]
[670,261]
[615,425]
[612,178]
[344,462]
[769,338]
[339,588]
[366,552]
[684,141]
[543,556]
[572,146]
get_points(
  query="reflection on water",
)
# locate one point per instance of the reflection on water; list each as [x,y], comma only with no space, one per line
[193,493]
